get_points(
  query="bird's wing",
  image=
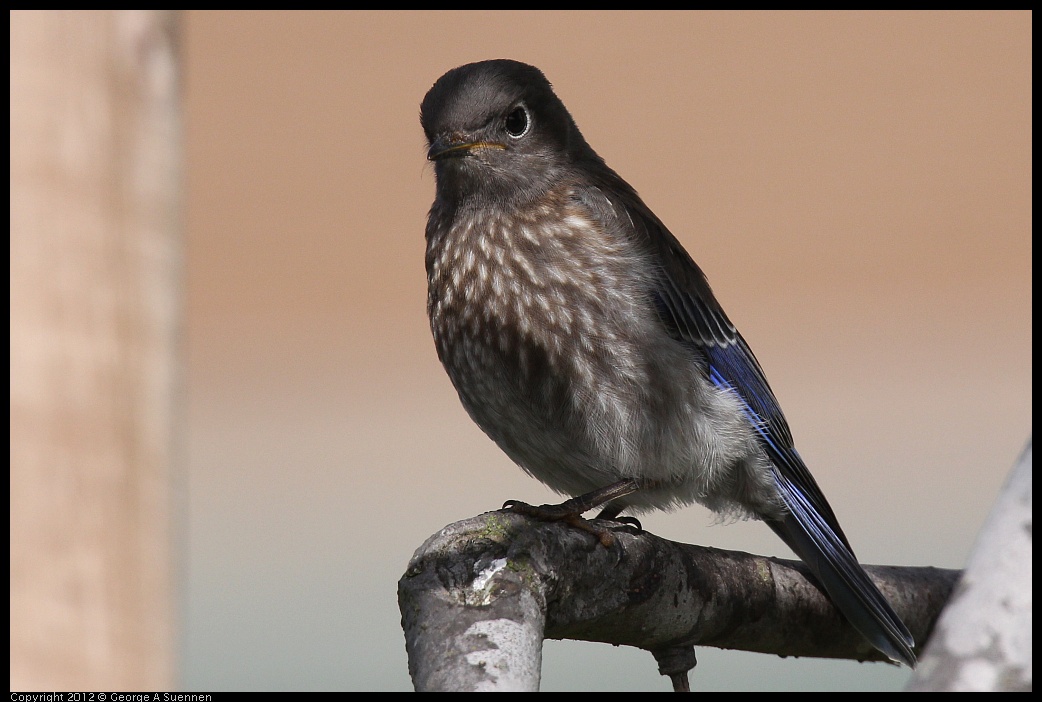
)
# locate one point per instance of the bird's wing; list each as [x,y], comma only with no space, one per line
[693,316]
[690,311]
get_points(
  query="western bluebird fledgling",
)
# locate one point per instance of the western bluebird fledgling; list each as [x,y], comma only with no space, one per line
[586,343]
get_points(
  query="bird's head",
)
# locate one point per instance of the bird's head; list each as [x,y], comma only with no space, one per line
[497,132]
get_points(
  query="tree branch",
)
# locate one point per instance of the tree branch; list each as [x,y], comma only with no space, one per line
[479,597]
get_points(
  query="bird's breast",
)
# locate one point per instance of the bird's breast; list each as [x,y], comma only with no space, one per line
[544,291]
[545,324]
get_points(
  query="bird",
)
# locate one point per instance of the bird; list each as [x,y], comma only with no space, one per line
[583,339]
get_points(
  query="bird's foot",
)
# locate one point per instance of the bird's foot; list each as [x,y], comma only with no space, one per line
[561,513]
[570,511]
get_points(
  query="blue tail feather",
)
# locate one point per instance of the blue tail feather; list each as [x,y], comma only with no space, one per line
[846,582]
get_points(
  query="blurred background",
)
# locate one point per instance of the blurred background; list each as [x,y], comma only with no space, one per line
[856,186]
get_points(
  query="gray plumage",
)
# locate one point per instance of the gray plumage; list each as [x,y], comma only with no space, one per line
[587,344]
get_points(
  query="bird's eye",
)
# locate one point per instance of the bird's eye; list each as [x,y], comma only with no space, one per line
[518,122]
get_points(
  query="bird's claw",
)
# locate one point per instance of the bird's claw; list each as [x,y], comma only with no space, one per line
[561,513]
[630,521]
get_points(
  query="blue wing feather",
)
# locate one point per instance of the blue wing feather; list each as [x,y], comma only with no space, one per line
[810,528]
[691,313]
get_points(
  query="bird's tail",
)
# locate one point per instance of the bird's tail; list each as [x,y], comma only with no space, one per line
[829,557]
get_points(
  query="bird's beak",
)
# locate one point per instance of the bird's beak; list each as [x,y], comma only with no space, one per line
[453,147]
